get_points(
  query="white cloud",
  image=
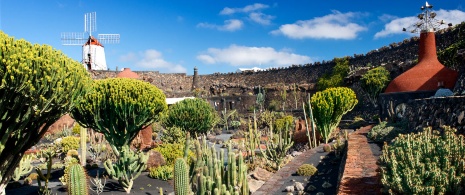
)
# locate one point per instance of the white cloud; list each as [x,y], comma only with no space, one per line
[333,26]
[246,9]
[252,56]
[229,25]
[261,18]
[153,60]
[395,26]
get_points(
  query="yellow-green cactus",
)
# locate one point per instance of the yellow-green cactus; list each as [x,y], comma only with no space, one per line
[38,85]
[119,108]
[329,106]
[192,115]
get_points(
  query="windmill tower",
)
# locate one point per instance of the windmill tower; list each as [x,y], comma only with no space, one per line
[93,52]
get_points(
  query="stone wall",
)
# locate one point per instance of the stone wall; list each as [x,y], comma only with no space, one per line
[436,112]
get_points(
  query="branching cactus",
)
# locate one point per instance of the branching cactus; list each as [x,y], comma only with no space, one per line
[128,167]
[329,106]
[212,174]
[77,180]
[181,177]
[277,147]
[24,167]
[424,163]
[38,85]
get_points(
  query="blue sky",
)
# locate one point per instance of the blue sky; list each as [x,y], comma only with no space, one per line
[220,35]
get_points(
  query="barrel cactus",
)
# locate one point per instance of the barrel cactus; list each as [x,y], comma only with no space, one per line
[38,85]
[77,180]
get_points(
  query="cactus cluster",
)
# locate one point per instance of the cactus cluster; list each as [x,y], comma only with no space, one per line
[128,167]
[306,170]
[424,163]
[38,85]
[277,146]
[24,167]
[211,173]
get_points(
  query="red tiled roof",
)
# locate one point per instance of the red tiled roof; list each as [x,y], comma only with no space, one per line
[127,73]
[428,74]
[93,41]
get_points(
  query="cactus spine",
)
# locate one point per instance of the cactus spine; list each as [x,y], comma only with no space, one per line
[77,180]
[181,177]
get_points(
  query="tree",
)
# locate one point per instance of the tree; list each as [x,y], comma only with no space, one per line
[38,85]
[374,82]
[329,106]
[119,108]
[195,116]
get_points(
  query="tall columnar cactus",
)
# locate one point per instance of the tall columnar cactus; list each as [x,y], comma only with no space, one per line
[329,106]
[424,163]
[38,85]
[128,167]
[193,115]
[277,147]
[210,172]
[77,180]
[24,167]
[260,98]
[83,135]
[119,108]
[181,177]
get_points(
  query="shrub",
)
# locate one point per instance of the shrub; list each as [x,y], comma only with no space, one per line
[76,129]
[424,163]
[173,135]
[33,176]
[385,132]
[70,143]
[306,170]
[374,82]
[285,122]
[172,151]
[164,172]
[193,115]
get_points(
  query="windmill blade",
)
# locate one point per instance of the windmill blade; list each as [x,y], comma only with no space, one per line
[73,38]
[108,38]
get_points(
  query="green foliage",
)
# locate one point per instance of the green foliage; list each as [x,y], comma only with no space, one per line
[306,170]
[374,82]
[70,143]
[424,163]
[329,106]
[267,118]
[24,167]
[336,78]
[385,132]
[173,135]
[164,172]
[260,100]
[226,116]
[449,56]
[195,116]
[77,129]
[172,151]
[285,122]
[235,124]
[38,85]
[119,108]
[181,177]
[128,167]
[273,105]
[277,147]
[77,180]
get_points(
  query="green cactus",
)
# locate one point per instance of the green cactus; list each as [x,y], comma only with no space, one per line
[218,177]
[329,106]
[181,177]
[38,85]
[24,167]
[424,163]
[191,115]
[44,190]
[128,167]
[277,147]
[119,108]
[77,180]
[374,82]
[260,98]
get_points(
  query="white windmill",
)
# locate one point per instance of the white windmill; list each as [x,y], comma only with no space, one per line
[93,53]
